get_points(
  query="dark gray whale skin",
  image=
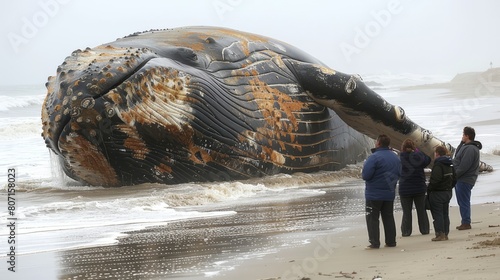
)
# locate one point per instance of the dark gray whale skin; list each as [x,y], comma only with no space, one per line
[210,104]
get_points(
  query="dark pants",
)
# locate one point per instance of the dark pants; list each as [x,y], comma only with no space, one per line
[407,205]
[440,205]
[375,209]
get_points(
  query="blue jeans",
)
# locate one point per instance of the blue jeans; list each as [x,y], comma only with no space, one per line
[463,192]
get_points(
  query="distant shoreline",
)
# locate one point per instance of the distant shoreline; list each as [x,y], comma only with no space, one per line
[489,79]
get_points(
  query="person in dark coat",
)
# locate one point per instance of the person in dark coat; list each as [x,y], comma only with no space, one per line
[440,192]
[381,173]
[412,187]
[466,163]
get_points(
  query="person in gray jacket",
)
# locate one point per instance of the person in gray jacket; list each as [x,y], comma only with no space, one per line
[466,164]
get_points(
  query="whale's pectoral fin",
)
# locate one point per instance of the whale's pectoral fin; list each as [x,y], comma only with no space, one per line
[360,107]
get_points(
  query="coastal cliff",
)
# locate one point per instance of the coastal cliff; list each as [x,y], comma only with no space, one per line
[488,80]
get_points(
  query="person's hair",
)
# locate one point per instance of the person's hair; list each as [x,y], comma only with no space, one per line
[441,150]
[470,132]
[384,140]
[408,146]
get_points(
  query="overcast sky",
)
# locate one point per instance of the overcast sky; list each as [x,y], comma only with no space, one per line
[365,37]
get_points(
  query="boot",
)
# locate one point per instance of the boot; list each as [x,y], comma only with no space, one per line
[464,226]
[440,236]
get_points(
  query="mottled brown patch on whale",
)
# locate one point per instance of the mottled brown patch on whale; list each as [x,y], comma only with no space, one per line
[163,168]
[134,142]
[277,108]
[88,162]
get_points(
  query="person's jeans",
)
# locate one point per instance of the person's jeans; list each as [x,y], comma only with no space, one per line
[407,206]
[463,192]
[375,209]
[440,205]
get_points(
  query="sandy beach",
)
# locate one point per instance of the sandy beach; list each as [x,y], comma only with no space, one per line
[468,254]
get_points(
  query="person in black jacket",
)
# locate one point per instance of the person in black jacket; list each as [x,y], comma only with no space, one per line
[440,192]
[412,187]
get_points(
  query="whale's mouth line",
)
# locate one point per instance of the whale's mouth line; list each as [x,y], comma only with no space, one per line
[123,79]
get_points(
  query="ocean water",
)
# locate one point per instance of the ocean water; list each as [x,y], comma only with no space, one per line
[55,214]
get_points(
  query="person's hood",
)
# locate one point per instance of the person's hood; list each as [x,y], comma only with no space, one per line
[379,149]
[446,160]
[475,143]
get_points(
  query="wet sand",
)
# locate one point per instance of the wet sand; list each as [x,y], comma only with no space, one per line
[195,249]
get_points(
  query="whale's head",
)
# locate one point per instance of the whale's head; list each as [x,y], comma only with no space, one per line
[105,103]
[133,110]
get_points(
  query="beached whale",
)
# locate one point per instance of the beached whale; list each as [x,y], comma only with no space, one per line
[207,104]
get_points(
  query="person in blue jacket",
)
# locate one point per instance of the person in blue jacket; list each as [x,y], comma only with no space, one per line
[412,187]
[466,164]
[381,172]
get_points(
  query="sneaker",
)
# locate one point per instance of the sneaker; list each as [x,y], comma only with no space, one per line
[371,247]
[390,245]
[464,227]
